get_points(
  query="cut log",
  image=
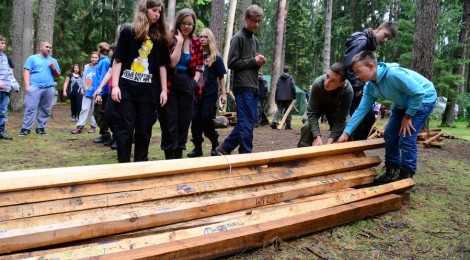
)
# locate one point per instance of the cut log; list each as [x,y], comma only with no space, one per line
[253,236]
[41,231]
[31,179]
[181,189]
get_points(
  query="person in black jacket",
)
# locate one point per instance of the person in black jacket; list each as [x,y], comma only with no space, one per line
[285,93]
[367,40]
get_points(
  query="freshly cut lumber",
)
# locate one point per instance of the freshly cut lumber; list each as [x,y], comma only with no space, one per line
[80,190]
[239,239]
[432,139]
[122,240]
[31,179]
[286,114]
[41,231]
[257,216]
[182,189]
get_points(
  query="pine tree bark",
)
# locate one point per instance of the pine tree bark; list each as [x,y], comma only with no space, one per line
[217,21]
[228,38]
[171,12]
[327,42]
[46,21]
[276,71]
[459,55]
[243,6]
[23,42]
[422,60]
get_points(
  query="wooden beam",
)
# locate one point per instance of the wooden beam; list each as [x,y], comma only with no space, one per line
[286,114]
[33,179]
[182,189]
[432,139]
[89,189]
[41,231]
[255,217]
[119,240]
[240,239]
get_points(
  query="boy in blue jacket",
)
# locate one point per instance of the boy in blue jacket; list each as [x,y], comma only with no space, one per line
[414,98]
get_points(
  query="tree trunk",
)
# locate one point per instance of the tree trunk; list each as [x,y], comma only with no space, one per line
[228,37]
[46,21]
[276,71]
[116,19]
[243,6]
[463,38]
[459,55]
[327,42]
[23,42]
[171,12]
[217,21]
[284,38]
[422,60]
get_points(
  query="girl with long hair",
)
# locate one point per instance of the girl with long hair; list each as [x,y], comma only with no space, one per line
[72,85]
[210,85]
[139,83]
[185,70]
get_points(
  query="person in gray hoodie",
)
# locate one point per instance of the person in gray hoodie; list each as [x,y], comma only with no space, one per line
[285,93]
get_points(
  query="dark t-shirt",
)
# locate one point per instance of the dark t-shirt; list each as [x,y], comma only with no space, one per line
[210,80]
[140,72]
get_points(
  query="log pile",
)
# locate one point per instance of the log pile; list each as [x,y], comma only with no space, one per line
[189,208]
[433,138]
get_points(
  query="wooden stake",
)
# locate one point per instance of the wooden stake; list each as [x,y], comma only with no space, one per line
[286,114]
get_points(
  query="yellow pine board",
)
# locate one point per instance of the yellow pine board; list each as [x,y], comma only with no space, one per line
[30,179]
[182,189]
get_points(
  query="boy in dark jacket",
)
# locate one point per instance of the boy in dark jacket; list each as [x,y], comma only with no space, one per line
[285,93]
[367,40]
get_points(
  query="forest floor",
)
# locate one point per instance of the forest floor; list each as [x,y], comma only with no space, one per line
[433,224]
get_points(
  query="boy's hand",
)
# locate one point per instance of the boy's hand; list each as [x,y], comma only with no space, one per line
[260,59]
[343,138]
[406,126]
[2,85]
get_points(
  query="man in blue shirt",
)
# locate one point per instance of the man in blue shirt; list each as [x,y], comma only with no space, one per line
[414,97]
[40,70]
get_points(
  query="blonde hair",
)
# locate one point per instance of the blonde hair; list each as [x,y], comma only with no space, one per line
[212,55]
[103,48]
[142,28]
[364,58]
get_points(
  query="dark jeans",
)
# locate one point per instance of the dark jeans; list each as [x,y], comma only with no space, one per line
[363,129]
[202,122]
[242,134]
[100,116]
[401,150]
[175,116]
[76,105]
[133,121]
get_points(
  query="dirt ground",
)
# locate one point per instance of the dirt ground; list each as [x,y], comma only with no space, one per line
[395,235]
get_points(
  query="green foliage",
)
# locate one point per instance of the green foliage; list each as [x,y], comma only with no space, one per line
[5,25]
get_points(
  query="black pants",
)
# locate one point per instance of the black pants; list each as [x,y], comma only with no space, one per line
[133,120]
[202,122]
[363,129]
[75,104]
[175,116]
[306,136]
[100,116]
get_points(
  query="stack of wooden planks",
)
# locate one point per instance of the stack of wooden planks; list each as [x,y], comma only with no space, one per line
[433,138]
[189,208]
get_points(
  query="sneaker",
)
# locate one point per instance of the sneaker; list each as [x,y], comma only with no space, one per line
[74,119]
[78,130]
[114,145]
[92,130]
[273,125]
[40,131]
[288,127]
[4,135]
[24,132]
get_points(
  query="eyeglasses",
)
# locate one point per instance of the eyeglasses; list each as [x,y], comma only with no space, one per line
[190,25]
[48,47]
[203,36]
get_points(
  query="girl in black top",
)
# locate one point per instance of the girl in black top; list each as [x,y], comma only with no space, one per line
[72,85]
[139,79]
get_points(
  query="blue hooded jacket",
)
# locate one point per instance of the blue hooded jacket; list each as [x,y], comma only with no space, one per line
[406,88]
